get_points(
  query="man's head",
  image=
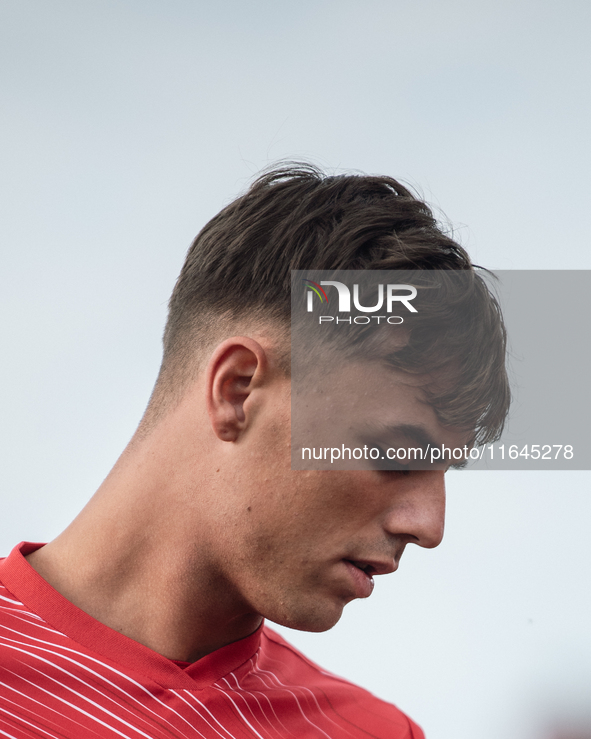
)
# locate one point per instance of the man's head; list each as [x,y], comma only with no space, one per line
[238,270]
[296,546]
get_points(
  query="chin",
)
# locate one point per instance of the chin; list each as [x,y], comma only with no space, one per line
[317,618]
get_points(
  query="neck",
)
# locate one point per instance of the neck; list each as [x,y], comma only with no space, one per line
[132,561]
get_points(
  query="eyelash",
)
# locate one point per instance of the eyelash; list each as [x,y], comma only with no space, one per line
[394,465]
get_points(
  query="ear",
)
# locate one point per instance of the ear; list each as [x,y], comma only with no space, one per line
[235,370]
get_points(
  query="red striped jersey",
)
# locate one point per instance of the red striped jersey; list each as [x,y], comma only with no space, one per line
[64,675]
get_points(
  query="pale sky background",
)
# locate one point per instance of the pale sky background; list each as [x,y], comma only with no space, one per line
[127,125]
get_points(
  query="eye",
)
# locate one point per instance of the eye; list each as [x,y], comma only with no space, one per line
[386,465]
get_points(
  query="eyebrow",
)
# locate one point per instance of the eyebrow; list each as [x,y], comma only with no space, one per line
[419,435]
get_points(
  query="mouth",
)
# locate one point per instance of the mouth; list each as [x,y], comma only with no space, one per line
[361,577]
[369,570]
[376,566]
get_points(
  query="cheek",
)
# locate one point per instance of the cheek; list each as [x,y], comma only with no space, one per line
[282,535]
[336,500]
[293,517]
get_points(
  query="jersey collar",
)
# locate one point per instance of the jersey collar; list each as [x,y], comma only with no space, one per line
[38,595]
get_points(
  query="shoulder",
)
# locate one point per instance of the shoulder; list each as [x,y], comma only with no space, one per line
[353,705]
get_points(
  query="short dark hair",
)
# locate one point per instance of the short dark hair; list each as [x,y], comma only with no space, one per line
[296,217]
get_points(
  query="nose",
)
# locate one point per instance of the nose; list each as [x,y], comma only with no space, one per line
[418,509]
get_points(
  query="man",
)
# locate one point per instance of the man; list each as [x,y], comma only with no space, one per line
[144,618]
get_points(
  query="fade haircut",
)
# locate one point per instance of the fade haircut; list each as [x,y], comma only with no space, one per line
[295,217]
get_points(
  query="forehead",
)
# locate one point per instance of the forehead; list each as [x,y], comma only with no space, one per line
[374,392]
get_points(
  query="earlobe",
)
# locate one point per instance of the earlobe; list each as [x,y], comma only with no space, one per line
[234,371]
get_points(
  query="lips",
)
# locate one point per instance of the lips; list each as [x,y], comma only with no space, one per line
[361,572]
[361,577]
